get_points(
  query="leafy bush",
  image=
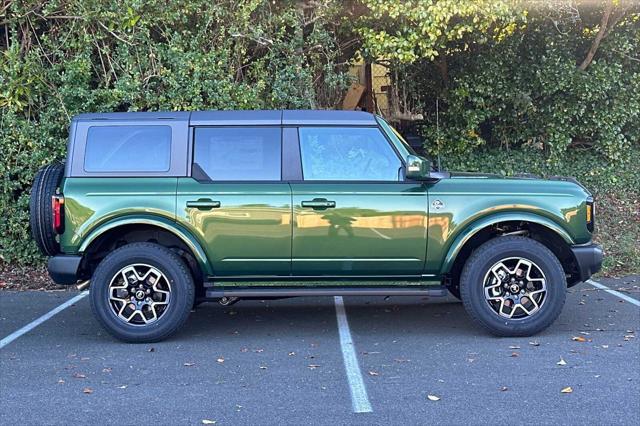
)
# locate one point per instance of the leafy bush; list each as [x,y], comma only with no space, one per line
[526,90]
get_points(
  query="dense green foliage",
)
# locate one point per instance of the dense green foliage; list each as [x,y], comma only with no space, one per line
[527,91]
[516,86]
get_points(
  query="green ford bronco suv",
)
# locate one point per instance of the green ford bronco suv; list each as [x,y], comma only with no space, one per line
[161,211]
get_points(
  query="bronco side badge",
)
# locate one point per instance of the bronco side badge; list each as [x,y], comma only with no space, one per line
[437,204]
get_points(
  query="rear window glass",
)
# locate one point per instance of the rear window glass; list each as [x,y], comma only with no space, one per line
[128,149]
[239,154]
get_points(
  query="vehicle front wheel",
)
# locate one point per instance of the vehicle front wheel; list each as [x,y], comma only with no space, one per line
[513,286]
[142,292]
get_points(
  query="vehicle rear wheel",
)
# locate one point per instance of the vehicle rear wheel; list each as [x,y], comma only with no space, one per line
[44,187]
[513,286]
[142,292]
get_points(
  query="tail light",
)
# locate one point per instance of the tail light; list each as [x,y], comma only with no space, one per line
[591,219]
[57,208]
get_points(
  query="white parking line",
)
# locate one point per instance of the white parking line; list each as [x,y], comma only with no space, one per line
[27,328]
[615,293]
[359,398]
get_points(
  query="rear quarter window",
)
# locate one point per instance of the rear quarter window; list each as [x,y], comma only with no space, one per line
[128,149]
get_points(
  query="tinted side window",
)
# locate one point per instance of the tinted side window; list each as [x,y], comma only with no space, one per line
[239,153]
[128,149]
[347,153]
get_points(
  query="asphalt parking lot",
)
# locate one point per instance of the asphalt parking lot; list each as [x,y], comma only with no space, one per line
[287,362]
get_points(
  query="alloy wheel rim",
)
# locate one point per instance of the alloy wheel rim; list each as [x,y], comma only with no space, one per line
[515,288]
[139,294]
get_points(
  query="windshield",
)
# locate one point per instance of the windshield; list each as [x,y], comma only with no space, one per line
[397,139]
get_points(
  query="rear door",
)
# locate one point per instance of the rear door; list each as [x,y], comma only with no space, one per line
[235,200]
[354,215]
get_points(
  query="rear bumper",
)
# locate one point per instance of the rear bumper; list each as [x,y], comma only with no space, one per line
[588,259]
[63,269]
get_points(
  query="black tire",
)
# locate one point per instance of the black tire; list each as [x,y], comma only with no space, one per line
[44,187]
[495,250]
[165,261]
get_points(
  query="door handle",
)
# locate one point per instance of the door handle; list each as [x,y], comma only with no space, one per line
[203,204]
[319,204]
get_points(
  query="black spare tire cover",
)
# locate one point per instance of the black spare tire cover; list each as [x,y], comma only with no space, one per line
[44,187]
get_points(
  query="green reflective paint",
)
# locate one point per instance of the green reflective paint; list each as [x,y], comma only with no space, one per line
[464,204]
[92,202]
[249,234]
[374,229]
[371,229]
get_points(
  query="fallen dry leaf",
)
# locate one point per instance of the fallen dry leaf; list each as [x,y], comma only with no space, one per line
[87,390]
[106,370]
[291,353]
[514,347]
[374,373]
[79,376]
[60,382]
[514,354]
[561,362]
[263,367]
[189,364]
[534,343]
[122,387]
[220,360]
[208,422]
[313,366]
[578,339]
[568,389]
[433,398]
[504,389]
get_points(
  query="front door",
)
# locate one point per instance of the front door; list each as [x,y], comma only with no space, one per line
[353,213]
[236,203]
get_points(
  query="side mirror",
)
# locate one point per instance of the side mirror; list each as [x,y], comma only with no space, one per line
[417,168]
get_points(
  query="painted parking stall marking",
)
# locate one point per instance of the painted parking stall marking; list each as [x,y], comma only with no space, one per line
[359,397]
[33,324]
[614,292]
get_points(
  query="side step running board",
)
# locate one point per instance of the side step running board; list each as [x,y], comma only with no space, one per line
[253,292]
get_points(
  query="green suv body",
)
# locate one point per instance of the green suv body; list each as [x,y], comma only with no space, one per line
[163,210]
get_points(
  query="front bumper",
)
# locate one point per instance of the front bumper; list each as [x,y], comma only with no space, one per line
[588,259]
[63,269]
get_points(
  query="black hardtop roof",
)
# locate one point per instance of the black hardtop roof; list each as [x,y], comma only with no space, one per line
[241,117]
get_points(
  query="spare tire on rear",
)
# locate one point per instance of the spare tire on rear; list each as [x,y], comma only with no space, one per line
[44,187]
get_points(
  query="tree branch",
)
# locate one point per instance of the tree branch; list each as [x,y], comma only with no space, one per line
[596,41]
